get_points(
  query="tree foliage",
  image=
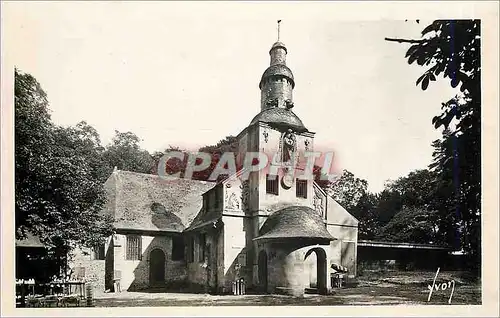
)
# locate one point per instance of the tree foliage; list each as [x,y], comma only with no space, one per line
[451,48]
[125,153]
[352,193]
[365,211]
[58,192]
[413,193]
[411,225]
[347,190]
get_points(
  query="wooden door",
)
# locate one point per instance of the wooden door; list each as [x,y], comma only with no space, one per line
[157,267]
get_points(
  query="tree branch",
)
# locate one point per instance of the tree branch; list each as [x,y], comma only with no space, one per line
[404,40]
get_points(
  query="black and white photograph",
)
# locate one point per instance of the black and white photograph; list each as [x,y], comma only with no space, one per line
[239,154]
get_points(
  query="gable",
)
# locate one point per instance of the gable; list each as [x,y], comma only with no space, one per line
[336,214]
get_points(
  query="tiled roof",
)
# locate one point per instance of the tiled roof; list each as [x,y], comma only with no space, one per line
[277,70]
[279,44]
[203,219]
[149,202]
[299,222]
[280,118]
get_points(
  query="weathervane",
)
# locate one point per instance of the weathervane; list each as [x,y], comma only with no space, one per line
[279,21]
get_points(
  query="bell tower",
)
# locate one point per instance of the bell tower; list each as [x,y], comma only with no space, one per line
[280,134]
[277,83]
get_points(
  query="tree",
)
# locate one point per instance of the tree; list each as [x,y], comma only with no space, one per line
[365,211]
[173,165]
[33,128]
[228,144]
[347,190]
[451,48]
[459,229]
[388,204]
[352,193]
[412,225]
[420,192]
[415,189]
[58,191]
[86,142]
[125,153]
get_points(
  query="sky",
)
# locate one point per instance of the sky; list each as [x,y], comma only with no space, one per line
[187,74]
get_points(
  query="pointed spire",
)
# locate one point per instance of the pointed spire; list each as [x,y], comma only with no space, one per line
[279,21]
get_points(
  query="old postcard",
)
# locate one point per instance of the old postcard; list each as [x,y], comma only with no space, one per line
[249,159]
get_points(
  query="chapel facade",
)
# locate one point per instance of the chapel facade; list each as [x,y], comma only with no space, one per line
[274,230]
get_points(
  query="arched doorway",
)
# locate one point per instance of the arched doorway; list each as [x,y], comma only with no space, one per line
[316,257]
[156,267]
[262,269]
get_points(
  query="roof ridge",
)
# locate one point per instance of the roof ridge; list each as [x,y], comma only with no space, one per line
[157,176]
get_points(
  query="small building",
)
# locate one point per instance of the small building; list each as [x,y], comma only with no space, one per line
[377,255]
[32,259]
[269,227]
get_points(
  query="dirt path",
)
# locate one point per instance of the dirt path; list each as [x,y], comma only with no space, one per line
[395,288]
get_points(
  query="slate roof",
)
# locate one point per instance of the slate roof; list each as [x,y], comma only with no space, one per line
[298,222]
[149,202]
[203,219]
[213,217]
[278,44]
[280,118]
[277,70]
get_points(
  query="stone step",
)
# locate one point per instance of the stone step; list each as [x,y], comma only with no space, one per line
[310,290]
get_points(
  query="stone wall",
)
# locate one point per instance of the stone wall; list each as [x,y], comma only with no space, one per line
[344,227]
[290,267]
[206,273]
[265,201]
[135,274]
[345,235]
[269,140]
[93,269]
[242,149]
[237,263]
[278,55]
[276,88]
[196,274]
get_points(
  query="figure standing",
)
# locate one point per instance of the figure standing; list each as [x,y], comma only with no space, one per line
[288,146]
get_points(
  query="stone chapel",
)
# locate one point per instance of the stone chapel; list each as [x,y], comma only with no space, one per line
[278,233]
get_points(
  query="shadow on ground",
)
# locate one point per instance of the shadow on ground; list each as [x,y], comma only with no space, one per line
[389,288]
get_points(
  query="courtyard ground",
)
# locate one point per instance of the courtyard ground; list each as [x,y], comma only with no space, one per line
[390,288]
